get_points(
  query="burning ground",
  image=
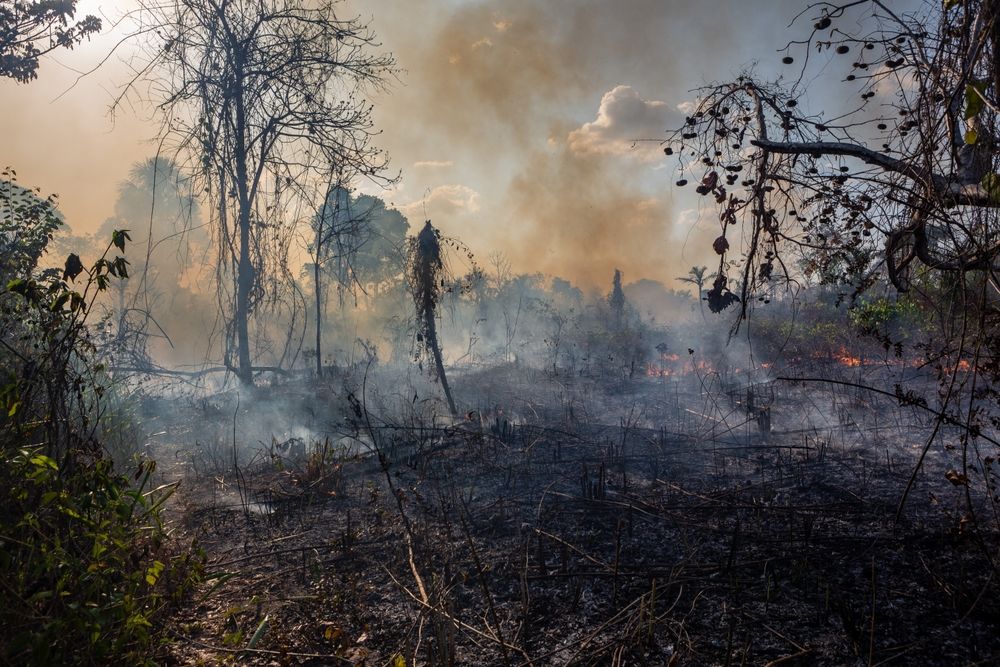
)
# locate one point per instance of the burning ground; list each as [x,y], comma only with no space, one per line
[697,513]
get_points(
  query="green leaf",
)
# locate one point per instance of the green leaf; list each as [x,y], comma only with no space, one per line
[77,302]
[118,238]
[59,302]
[41,460]
[991,183]
[971,137]
[153,572]
[260,632]
[974,97]
[136,621]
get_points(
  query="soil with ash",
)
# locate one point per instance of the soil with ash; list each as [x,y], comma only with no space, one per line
[561,522]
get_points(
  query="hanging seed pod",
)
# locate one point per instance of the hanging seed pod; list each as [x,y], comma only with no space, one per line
[720,245]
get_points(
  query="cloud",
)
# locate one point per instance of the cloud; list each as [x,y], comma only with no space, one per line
[443,201]
[433,164]
[624,120]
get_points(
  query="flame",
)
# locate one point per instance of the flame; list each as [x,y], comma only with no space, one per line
[963,366]
[845,358]
[672,365]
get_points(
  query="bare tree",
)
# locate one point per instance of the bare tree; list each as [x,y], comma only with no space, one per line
[901,175]
[264,98]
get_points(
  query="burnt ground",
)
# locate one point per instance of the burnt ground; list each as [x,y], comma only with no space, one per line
[564,522]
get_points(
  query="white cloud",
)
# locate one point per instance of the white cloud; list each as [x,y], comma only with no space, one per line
[687,107]
[442,202]
[623,120]
[432,164]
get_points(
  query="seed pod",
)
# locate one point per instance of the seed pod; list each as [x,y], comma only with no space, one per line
[720,245]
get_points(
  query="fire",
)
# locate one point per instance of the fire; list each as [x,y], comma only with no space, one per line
[845,358]
[672,365]
[654,372]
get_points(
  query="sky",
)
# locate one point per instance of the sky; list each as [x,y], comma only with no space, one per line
[513,124]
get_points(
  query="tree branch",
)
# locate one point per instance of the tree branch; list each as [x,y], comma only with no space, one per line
[851,150]
[947,190]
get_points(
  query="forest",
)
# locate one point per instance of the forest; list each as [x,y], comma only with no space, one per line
[710,379]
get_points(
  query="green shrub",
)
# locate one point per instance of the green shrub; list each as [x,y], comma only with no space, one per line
[86,574]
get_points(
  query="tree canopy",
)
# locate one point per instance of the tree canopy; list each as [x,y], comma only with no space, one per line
[29,30]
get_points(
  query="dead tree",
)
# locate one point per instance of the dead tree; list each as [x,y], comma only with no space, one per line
[263,99]
[427,275]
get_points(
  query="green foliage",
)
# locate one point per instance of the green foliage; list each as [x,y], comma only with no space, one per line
[27,223]
[975,94]
[87,576]
[883,314]
[359,240]
[29,30]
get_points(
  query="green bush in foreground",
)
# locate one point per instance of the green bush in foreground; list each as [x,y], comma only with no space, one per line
[86,576]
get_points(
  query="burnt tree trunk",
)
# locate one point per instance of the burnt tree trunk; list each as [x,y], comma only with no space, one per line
[428,269]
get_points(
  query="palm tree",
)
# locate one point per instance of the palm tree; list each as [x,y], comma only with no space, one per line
[696,276]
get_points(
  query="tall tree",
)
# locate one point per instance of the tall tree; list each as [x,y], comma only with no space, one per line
[358,243]
[156,204]
[338,232]
[427,275]
[265,98]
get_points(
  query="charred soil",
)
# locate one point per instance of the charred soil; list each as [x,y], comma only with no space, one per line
[704,519]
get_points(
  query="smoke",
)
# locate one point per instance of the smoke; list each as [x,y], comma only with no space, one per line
[536,106]
[512,121]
